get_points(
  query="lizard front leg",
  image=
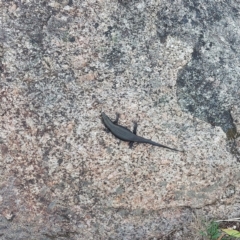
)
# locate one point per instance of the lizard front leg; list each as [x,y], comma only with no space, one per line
[117,118]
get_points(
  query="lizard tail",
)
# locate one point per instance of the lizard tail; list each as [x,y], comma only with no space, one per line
[163,146]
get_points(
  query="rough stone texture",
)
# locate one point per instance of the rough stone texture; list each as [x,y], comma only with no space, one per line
[171,65]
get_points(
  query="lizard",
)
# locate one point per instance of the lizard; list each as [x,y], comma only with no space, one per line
[125,134]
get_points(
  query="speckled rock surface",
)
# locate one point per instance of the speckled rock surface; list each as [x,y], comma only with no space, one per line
[171,66]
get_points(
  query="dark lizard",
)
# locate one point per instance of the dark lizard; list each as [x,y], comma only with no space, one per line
[126,135]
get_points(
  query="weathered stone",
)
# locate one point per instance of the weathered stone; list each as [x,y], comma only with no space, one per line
[172,66]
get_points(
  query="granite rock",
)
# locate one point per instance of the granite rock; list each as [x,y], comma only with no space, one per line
[172,66]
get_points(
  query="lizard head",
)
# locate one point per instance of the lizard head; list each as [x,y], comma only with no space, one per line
[104,116]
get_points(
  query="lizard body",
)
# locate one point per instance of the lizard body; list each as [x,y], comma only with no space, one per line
[125,134]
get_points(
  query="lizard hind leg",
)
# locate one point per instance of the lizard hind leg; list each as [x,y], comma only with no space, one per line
[135,128]
[134,132]
[130,144]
